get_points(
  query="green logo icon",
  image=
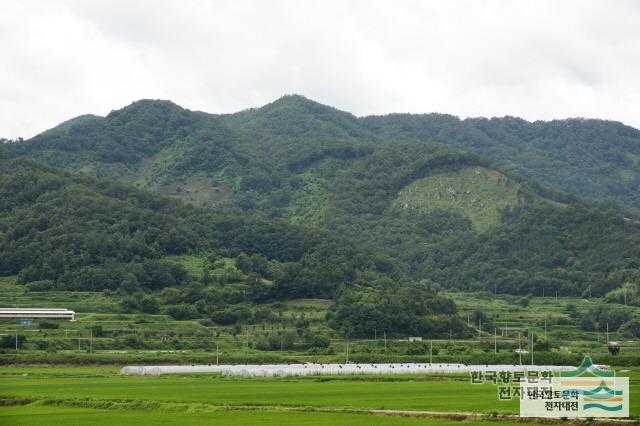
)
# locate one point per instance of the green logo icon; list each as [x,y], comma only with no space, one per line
[587,366]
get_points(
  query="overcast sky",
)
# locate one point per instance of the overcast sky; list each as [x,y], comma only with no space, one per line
[535,59]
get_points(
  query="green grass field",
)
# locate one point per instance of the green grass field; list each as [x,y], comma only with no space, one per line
[100,395]
[405,395]
[37,415]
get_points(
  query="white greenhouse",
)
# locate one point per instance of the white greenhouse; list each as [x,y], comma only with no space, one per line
[281,370]
[38,313]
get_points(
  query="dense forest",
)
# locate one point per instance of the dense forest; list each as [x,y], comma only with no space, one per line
[472,204]
[55,226]
[67,232]
[590,158]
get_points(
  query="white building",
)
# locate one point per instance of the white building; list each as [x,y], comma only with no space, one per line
[38,313]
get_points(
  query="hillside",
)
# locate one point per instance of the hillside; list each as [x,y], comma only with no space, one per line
[63,232]
[55,225]
[590,158]
[160,145]
[431,211]
[479,194]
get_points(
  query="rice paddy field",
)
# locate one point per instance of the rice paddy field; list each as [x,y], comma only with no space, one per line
[48,415]
[95,396]
[69,375]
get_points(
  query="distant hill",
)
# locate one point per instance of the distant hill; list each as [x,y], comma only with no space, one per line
[455,201]
[68,232]
[590,158]
[153,143]
[86,235]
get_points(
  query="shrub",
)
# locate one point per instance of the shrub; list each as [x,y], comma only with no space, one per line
[129,304]
[134,341]
[9,341]
[149,305]
[230,316]
[42,345]
[319,341]
[97,331]
[49,325]
[43,285]
[183,312]
[275,342]
[632,328]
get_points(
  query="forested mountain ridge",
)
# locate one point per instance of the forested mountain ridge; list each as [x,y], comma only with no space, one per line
[67,232]
[461,220]
[115,146]
[156,143]
[591,158]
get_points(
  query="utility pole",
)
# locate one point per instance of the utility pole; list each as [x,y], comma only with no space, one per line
[556,296]
[347,362]
[543,292]
[385,340]
[519,348]
[468,320]
[480,330]
[431,352]
[16,341]
[531,348]
[217,354]
[78,342]
[375,333]
[607,333]
[91,341]
[495,340]
[545,329]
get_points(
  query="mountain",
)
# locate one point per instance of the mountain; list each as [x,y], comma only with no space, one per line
[157,144]
[294,116]
[454,201]
[67,232]
[54,226]
[591,158]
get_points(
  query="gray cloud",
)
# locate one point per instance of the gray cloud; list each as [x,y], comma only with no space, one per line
[537,59]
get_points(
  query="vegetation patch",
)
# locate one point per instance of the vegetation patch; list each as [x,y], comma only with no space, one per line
[476,192]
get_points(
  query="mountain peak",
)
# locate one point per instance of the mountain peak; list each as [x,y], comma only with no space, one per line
[299,102]
[295,116]
[152,105]
[76,121]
